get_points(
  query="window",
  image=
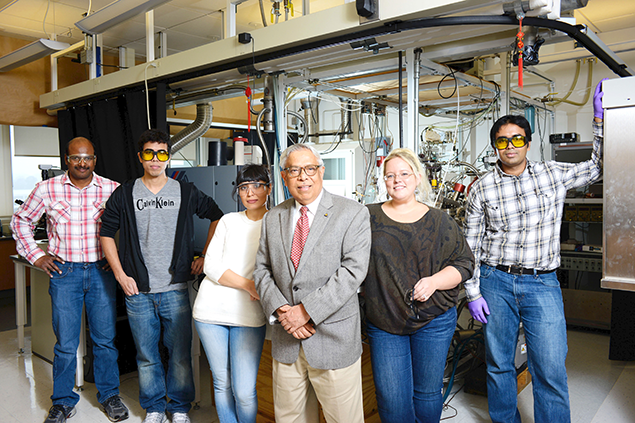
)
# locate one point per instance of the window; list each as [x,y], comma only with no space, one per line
[30,148]
[26,174]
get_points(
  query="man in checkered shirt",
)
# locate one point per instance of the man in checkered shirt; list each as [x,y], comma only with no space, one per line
[513,223]
[73,203]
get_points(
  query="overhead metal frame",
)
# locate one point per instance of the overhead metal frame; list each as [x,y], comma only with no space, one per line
[327,40]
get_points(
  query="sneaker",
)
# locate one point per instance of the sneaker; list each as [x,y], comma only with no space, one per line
[115,409]
[155,417]
[58,413]
[180,418]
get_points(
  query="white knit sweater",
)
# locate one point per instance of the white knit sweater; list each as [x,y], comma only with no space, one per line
[233,247]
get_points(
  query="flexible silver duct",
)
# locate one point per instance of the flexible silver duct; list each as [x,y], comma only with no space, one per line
[311,117]
[195,129]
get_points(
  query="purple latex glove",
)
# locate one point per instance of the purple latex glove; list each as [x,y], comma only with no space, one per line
[478,309]
[598,110]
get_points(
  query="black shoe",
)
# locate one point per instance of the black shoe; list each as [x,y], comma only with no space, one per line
[59,413]
[115,409]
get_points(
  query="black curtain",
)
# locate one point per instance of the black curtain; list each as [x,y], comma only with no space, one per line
[114,126]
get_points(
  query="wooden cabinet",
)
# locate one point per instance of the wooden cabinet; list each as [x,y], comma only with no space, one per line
[7,273]
[265,394]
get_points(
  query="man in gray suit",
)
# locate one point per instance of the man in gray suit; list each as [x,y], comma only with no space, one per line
[310,288]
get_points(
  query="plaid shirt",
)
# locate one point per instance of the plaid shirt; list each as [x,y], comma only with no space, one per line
[515,220]
[73,219]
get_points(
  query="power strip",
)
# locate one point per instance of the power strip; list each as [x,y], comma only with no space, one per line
[581,263]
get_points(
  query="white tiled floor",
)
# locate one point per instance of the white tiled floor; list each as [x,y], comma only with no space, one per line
[601,390]
[26,387]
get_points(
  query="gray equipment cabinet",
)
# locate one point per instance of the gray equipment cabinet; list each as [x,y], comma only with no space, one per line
[619,217]
[215,181]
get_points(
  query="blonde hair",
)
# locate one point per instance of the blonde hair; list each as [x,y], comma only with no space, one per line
[425,189]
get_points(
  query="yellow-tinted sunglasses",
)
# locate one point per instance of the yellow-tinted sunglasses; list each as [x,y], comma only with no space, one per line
[162,155]
[517,141]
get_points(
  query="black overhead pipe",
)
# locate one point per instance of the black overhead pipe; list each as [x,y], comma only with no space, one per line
[573,31]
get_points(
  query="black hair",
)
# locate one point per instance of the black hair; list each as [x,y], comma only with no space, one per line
[77,139]
[155,135]
[510,119]
[251,173]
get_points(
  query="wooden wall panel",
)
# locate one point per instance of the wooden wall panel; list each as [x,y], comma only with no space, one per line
[21,87]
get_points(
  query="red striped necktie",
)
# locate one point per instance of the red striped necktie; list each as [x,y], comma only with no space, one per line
[299,236]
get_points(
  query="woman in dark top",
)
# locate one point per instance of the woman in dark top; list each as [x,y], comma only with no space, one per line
[418,258]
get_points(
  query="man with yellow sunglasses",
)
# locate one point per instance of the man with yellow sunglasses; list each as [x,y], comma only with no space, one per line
[513,221]
[154,217]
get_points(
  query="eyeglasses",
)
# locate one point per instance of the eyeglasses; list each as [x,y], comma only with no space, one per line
[256,187]
[86,158]
[517,141]
[295,171]
[391,177]
[162,155]
[410,302]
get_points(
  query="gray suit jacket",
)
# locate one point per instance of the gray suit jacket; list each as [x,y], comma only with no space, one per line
[333,265]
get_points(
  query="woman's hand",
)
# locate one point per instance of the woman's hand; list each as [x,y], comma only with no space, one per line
[251,289]
[447,278]
[424,289]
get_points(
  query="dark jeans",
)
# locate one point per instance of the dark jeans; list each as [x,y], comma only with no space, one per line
[536,301]
[84,284]
[408,370]
[146,314]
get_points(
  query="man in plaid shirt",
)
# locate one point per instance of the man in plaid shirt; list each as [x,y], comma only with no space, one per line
[73,203]
[513,224]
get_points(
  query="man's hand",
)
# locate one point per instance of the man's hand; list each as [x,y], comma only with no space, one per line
[598,110]
[294,318]
[47,263]
[128,285]
[280,311]
[478,309]
[304,332]
[197,266]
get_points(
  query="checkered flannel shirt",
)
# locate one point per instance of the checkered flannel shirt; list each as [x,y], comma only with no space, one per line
[73,218]
[515,220]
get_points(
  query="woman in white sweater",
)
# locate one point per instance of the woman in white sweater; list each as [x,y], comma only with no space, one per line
[227,313]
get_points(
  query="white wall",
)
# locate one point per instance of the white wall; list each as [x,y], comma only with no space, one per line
[6,183]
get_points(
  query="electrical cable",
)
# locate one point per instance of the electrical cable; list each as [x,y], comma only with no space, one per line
[456,84]
[48,4]
[145,81]
[262,13]
[456,356]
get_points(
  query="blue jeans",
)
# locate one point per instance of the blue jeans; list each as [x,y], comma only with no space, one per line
[146,314]
[234,356]
[78,284]
[536,301]
[408,370]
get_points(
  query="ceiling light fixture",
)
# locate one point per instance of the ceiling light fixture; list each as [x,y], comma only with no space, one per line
[6,3]
[114,14]
[30,53]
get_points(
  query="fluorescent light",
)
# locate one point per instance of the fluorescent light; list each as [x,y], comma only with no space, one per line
[114,14]
[6,3]
[29,53]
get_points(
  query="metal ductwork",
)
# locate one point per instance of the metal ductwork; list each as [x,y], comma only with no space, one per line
[195,129]
[569,5]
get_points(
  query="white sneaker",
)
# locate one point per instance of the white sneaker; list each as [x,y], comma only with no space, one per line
[155,417]
[180,418]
